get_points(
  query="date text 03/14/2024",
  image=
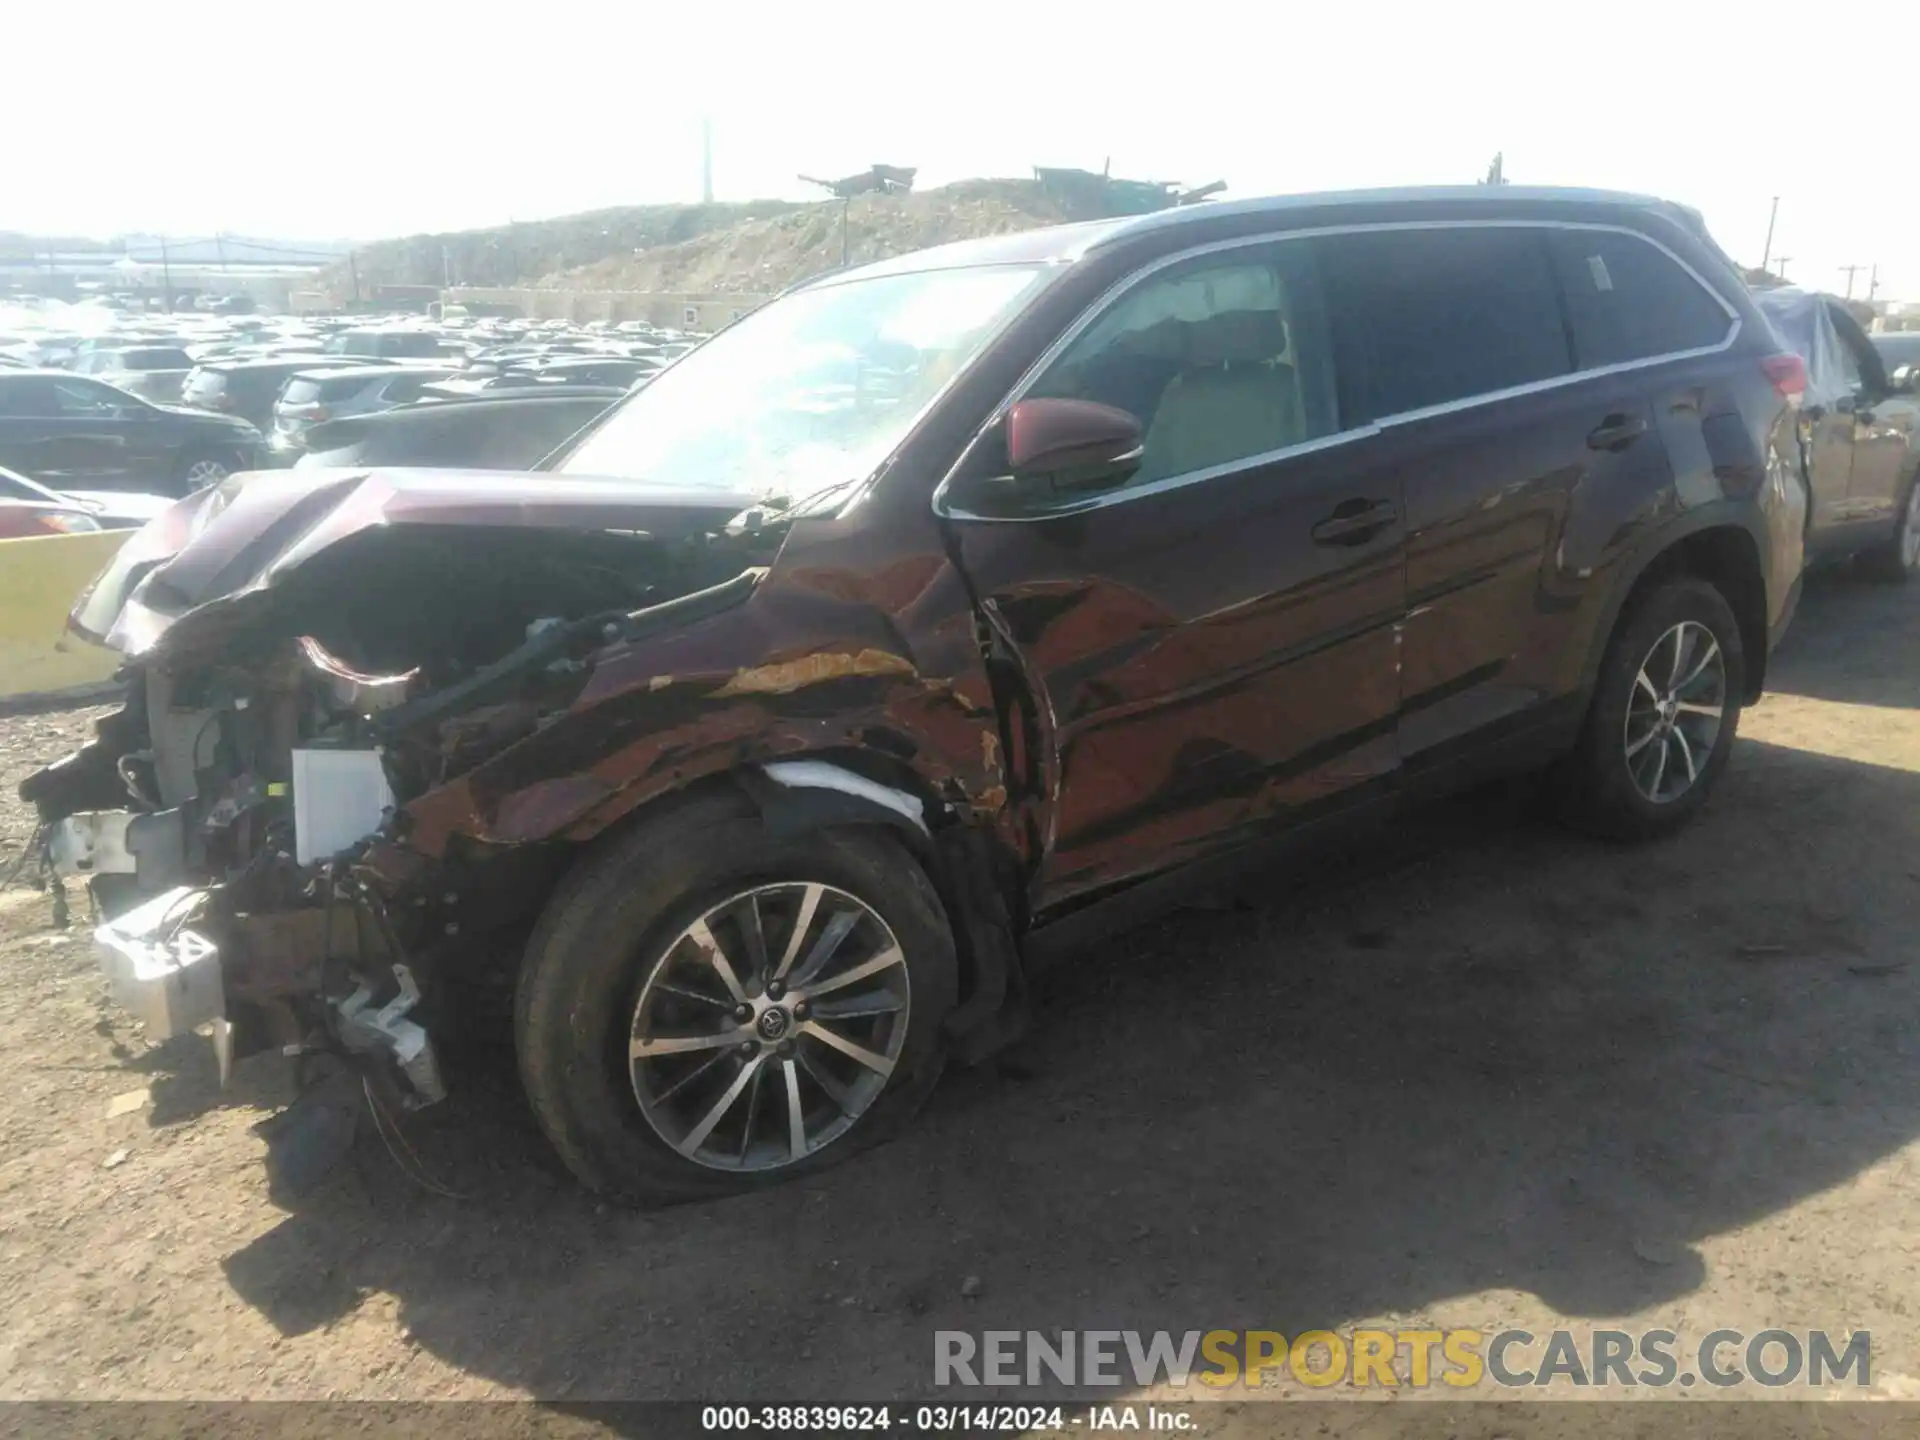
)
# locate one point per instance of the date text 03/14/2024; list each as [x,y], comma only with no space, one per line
[945,1419]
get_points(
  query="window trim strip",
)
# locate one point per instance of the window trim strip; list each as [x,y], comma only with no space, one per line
[1121,287]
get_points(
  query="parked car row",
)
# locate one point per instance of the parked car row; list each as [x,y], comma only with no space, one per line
[229,393]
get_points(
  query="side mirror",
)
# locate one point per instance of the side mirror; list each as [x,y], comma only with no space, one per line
[1060,448]
[1905,380]
[1047,454]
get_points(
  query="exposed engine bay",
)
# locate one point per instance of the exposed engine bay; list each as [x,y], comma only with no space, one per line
[224,819]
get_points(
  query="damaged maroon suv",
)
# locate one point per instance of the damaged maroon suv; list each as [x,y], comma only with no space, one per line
[926,621]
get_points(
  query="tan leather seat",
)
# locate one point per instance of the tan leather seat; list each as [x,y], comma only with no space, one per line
[1233,399]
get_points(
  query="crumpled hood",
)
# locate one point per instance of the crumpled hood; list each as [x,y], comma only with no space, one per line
[252,530]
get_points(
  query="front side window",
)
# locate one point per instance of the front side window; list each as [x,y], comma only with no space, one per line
[1221,359]
[28,395]
[1437,315]
[1629,300]
[811,391]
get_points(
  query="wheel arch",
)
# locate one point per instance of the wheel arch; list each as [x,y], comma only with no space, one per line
[971,871]
[1717,545]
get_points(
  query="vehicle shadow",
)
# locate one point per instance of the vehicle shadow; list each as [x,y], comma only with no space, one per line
[1486,1056]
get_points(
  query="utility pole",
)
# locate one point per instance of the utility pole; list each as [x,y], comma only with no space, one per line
[353,269]
[1772,215]
[446,268]
[706,161]
[166,274]
[1851,271]
[1873,282]
[220,248]
[1782,263]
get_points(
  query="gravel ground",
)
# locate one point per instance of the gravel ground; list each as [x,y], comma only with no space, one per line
[1484,1075]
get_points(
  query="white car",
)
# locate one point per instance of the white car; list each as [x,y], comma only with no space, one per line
[111,509]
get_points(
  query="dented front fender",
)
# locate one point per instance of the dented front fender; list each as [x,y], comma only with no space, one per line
[869,659]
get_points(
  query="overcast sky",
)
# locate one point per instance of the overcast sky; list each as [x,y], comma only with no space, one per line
[343,118]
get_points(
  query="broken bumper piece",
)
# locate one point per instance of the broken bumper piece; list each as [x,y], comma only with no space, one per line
[150,847]
[160,969]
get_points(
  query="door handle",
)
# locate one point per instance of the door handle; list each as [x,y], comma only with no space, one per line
[1616,432]
[1354,522]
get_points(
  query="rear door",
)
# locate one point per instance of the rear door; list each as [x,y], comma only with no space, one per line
[1463,359]
[1214,643]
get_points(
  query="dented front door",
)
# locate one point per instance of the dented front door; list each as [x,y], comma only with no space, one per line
[1204,668]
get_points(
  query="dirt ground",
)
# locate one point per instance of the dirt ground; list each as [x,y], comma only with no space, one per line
[1484,1075]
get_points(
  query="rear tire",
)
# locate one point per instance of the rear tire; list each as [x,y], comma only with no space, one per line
[1665,710]
[1895,559]
[610,1072]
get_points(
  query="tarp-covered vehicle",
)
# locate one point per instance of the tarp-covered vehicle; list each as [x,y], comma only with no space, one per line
[938,614]
[1859,436]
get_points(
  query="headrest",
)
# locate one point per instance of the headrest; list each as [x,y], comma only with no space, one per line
[1237,337]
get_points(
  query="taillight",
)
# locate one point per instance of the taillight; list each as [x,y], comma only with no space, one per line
[1788,373]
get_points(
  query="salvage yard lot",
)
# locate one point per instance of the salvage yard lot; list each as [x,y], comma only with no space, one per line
[1483,1074]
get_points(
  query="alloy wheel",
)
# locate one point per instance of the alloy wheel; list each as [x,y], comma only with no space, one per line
[203,473]
[769,1026]
[1674,715]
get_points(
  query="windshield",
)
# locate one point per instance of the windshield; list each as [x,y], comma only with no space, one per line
[814,389]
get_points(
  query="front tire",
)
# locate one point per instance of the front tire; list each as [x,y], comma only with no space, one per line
[704,1009]
[1663,717]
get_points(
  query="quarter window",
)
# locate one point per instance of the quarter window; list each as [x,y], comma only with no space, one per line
[1629,300]
[1221,359]
[1430,316]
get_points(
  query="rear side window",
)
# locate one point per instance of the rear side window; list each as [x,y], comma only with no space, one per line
[1424,317]
[403,389]
[303,390]
[88,399]
[408,343]
[155,360]
[1629,300]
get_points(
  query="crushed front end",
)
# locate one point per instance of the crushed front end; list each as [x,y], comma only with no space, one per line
[302,666]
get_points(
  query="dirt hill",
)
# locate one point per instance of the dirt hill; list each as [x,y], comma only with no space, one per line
[767,254]
[519,254]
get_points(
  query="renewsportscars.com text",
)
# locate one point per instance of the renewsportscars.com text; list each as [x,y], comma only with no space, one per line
[1395,1358]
